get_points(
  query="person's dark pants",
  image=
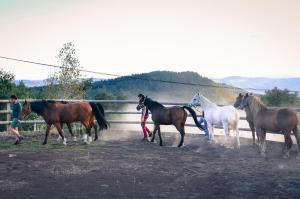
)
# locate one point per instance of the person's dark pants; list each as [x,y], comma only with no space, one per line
[204,126]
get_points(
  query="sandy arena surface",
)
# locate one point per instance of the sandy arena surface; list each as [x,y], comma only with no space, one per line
[120,165]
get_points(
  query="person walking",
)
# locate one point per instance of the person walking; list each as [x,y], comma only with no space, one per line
[144,117]
[15,107]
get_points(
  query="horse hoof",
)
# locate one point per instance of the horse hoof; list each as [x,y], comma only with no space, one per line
[59,139]
[90,139]
[65,141]
[286,156]
[44,143]
[95,139]
[75,139]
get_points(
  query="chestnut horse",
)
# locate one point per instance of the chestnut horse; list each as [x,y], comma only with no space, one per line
[282,120]
[249,116]
[56,113]
[162,115]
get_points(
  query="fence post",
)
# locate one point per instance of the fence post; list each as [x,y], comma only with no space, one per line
[7,115]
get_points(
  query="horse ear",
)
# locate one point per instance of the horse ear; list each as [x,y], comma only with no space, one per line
[247,95]
[240,95]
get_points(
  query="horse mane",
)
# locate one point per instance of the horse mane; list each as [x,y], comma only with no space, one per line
[206,101]
[41,105]
[152,104]
[255,104]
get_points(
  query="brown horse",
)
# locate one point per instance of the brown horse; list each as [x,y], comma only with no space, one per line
[282,120]
[70,127]
[162,115]
[249,115]
[58,113]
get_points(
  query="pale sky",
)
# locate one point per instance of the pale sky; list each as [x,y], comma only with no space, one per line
[215,38]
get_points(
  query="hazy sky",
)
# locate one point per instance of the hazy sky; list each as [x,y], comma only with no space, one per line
[215,38]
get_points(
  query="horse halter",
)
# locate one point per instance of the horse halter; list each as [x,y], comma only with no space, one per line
[141,103]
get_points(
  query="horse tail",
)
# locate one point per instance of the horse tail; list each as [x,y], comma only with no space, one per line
[97,111]
[100,107]
[193,113]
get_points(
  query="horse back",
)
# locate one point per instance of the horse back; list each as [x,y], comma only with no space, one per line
[169,115]
[283,119]
[70,112]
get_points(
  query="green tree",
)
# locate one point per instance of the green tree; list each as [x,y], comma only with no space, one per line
[277,97]
[65,83]
[6,83]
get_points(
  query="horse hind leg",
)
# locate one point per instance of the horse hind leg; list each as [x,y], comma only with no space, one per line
[96,131]
[181,130]
[295,131]
[288,144]
[71,132]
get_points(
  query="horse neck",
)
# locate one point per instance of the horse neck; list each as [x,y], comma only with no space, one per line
[37,107]
[205,103]
[256,107]
[152,105]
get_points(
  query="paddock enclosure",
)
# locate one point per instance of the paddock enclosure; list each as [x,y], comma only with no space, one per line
[120,165]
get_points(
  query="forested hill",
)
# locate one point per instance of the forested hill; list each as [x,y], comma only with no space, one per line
[131,86]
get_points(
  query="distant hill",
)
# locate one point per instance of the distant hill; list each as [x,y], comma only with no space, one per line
[39,83]
[131,86]
[261,82]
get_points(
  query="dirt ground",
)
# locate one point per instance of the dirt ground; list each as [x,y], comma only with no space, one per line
[120,165]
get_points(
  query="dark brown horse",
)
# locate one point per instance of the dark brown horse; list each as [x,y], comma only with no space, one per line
[58,113]
[249,115]
[282,120]
[162,115]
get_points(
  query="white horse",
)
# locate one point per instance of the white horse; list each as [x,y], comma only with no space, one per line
[225,116]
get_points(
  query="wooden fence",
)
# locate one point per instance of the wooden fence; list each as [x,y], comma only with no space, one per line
[7,112]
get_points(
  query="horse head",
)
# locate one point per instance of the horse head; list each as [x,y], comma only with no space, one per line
[244,101]
[26,110]
[196,100]
[141,104]
[238,100]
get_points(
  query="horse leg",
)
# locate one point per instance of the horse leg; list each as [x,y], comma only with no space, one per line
[60,131]
[59,137]
[71,132]
[295,131]
[159,135]
[96,131]
[226,132]
[288,143]
[211,132]
[47,133]
[89,133]
[251,125]
[182,133]
[263,143]
[154,132]
[238,138]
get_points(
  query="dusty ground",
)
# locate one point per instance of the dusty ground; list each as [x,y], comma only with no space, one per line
[121,166]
